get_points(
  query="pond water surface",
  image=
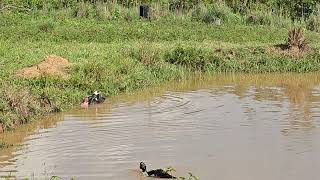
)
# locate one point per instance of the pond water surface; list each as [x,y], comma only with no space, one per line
[226,127]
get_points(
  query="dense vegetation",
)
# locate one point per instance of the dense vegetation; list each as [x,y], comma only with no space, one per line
[114,51]
[294,9]
[264,12]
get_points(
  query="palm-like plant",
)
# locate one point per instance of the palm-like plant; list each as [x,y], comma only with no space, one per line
[296,38]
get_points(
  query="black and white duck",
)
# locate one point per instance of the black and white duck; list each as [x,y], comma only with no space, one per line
[158,173]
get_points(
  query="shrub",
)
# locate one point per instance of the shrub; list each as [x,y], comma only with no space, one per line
[221,12]
[259,18]
[92,71]
[296,38]
[195,59]
[146,55]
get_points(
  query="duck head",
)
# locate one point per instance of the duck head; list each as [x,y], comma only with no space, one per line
[143,167]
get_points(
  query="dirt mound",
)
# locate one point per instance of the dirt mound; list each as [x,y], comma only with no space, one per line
[294,51]
[52,65]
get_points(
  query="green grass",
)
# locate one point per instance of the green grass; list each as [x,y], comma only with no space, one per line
[117,56]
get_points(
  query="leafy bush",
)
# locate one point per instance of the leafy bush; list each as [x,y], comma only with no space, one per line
[221,12]
[195,59]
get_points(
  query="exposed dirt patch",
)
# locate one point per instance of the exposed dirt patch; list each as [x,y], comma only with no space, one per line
[293,51]
[52,66]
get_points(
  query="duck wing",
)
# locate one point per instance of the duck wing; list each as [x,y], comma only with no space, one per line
[160,173]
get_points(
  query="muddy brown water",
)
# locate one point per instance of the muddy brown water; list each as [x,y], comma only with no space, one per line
[224,127]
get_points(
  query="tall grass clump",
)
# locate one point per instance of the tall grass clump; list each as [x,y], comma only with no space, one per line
[90,74]
[313,23]
[267,19]
[191,58]
[158,11]
[182,5]
[86,10]
[102,10]
[199,12]
[259,18]
[146,54]
[216,14]
[296,38]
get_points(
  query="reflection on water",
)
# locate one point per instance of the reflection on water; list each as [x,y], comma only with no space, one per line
[234,127]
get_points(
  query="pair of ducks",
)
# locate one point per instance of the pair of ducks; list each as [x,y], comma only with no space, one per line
[158,173]
[95,98]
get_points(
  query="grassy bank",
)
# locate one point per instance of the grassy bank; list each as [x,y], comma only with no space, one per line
[118,56]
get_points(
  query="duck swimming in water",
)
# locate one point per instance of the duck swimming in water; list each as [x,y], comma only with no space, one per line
[159,173]
[96,98]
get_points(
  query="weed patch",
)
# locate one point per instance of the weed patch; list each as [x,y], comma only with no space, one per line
[194,59]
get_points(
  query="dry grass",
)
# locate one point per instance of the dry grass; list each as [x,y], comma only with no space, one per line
[296,39]
[52,65]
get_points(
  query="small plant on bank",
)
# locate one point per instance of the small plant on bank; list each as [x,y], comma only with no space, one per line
[296,39]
